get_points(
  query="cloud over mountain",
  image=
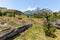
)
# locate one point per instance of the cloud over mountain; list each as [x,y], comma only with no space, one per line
[30,8]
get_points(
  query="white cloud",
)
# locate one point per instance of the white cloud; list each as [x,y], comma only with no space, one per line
[30,8]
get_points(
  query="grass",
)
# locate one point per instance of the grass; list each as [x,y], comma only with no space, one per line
[35,32]
[2,28]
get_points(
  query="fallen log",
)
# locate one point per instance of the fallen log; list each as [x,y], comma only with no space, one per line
[56,25]
[11,32]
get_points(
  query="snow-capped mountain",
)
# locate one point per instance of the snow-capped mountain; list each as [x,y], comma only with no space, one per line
[37,10]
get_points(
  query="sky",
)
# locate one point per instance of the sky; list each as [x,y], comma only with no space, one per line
[24,5]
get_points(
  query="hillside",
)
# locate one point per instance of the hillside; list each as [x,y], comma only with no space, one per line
[36,32]
[42,28]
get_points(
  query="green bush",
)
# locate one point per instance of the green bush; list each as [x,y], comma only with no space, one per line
[48,28]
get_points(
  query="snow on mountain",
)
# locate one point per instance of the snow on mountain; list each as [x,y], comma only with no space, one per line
[37,10]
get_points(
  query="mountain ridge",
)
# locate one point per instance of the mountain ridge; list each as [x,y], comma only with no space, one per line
[38,10]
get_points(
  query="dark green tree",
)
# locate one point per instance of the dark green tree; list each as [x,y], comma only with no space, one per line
[0,13]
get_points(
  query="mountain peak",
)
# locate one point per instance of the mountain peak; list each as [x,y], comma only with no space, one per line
[37,10]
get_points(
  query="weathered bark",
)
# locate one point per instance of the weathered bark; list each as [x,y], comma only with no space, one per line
[13,32]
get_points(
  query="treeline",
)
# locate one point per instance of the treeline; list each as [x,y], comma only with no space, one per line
[42,15]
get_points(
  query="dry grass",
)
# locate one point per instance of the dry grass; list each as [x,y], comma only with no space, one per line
[33,33]
[36,32]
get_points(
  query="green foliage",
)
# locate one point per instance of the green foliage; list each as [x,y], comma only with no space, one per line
[56,15]
[18,12]
[48,28]
[11,15]
[35,15]
[0,13]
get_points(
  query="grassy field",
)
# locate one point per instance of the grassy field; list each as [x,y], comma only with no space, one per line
[35,32]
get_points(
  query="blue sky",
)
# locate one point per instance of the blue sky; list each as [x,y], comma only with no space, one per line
[30,4]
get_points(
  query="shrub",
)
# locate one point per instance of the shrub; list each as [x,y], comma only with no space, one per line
[48,28]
